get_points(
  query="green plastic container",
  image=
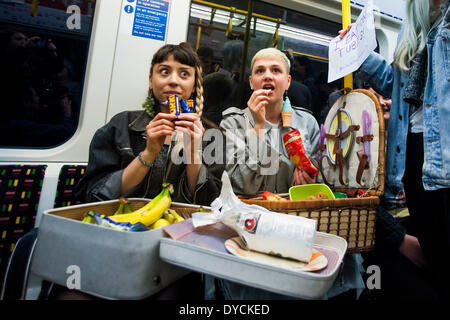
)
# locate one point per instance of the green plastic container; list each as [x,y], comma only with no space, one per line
[339,195]
[301,192]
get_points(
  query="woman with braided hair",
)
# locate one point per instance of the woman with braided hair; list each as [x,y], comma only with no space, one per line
[137,151]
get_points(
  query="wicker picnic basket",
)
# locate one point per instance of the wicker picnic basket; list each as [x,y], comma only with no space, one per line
[352,218]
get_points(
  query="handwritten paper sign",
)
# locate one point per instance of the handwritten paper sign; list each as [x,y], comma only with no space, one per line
[347,55]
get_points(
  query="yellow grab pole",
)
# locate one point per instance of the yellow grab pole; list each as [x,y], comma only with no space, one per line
[199,32]
[346,20]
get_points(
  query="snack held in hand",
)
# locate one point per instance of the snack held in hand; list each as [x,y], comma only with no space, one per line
[177,106]
[286,113]
[174,105]
[260,229]
[296,152]
[272,196]
[188,106]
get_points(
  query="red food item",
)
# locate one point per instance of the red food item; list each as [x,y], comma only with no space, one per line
[272,197]
[361,193]
[296,152]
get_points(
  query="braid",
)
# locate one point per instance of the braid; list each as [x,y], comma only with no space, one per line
[199,91]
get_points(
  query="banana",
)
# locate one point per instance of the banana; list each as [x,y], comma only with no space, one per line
[160,223]
[140,211]
[122,204]
[177,217]
[87,219]
[127,208]
[168,216]
[152,211]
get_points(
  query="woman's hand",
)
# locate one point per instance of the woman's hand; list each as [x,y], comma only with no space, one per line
[410,248]
[157,130]
[190,124]
[257,105]
[302,177]
[343,32]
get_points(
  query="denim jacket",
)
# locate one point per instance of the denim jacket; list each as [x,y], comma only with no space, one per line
[255,165]
[116,144]
[390,81]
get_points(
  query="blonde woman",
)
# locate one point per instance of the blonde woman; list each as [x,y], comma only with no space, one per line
[256,158]
[130,156]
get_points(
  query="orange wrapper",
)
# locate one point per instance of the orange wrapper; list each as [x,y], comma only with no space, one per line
[296,152]
[174,105]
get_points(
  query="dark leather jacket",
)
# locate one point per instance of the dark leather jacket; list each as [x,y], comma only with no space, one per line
[116,144]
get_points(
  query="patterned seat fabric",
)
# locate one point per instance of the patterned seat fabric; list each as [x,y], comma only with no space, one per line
[20,190]
[68,179]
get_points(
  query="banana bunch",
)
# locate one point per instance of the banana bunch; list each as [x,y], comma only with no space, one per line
[169,216]
[124,207]
[151,212]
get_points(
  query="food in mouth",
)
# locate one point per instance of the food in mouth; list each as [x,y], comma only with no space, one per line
[269,87]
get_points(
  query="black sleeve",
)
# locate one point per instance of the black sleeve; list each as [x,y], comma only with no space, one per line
[389,232]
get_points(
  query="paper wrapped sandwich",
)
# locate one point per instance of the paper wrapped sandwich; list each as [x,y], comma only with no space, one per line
[260,229]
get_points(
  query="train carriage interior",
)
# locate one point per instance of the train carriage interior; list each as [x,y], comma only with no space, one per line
[69,66]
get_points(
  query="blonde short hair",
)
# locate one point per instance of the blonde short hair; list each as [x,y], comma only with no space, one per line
[272,53]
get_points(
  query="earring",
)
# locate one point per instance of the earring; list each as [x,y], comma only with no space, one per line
[149,104]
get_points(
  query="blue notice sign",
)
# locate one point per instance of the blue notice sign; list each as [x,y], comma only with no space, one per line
[128,9]
[150,19]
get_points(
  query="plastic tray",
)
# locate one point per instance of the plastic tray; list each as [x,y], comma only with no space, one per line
[113,264]
[305,285]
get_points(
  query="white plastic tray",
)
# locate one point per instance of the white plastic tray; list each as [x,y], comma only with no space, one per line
[300,284]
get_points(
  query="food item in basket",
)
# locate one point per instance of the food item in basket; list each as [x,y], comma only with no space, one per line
[87,219]
[317,196]
[168,216]
[362,194]
[104,221]
[272,196]
[124,207]
[152,211]
[321,196]
[172,216]
[160,223]
[296,152]
[178,218]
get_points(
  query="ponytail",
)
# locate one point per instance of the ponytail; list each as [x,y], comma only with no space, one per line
[199,91]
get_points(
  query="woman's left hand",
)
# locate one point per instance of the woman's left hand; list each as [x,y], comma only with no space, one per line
[302,177]
[190,124]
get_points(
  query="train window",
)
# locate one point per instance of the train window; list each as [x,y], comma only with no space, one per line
[219,32]
[43,54]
